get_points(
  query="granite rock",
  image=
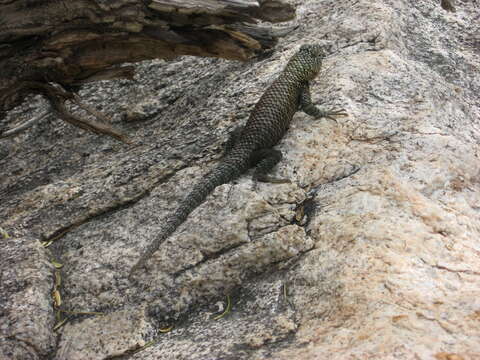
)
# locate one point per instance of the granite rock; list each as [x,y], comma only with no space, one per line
[372,251]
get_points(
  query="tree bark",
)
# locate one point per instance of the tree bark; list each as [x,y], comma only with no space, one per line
[78,41]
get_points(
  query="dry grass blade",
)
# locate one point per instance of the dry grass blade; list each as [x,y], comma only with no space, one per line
[27,124]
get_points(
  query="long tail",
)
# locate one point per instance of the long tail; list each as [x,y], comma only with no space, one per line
[227,170]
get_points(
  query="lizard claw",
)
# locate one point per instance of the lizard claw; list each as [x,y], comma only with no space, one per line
[329,114]
[268,179]
[339,112]
[330,118]
[273,180]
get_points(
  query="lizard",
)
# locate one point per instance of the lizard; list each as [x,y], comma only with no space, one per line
[253,145]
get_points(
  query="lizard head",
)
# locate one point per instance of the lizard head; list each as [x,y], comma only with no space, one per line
[309,60]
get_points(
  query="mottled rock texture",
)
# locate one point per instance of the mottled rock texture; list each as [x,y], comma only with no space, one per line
[373,250]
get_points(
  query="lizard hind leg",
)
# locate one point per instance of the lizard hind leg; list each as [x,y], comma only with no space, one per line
[264,160]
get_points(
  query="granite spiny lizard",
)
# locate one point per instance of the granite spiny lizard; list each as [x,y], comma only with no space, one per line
[267,124]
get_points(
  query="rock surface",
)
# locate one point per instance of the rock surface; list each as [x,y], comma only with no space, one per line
[373,250]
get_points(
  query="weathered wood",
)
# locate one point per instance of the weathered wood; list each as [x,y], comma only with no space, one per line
[78,41]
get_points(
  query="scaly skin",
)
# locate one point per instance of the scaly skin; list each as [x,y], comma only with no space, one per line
[266,125]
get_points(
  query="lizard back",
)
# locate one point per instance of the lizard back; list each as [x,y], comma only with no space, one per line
[271,116]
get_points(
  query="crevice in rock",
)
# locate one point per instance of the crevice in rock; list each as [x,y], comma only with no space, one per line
[304,212]
[111,209]
[259,232]
[209,257]
[462,271]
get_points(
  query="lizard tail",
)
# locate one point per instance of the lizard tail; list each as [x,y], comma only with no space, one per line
[229,169]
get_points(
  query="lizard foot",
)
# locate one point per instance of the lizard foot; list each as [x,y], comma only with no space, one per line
[269,179]
[329,114]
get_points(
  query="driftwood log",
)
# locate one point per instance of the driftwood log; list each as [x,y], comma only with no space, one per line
[49,44]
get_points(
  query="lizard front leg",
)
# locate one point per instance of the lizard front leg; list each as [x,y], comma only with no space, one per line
[309,108]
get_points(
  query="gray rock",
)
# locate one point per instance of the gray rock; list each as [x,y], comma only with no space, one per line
[371,251]
[26,311]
